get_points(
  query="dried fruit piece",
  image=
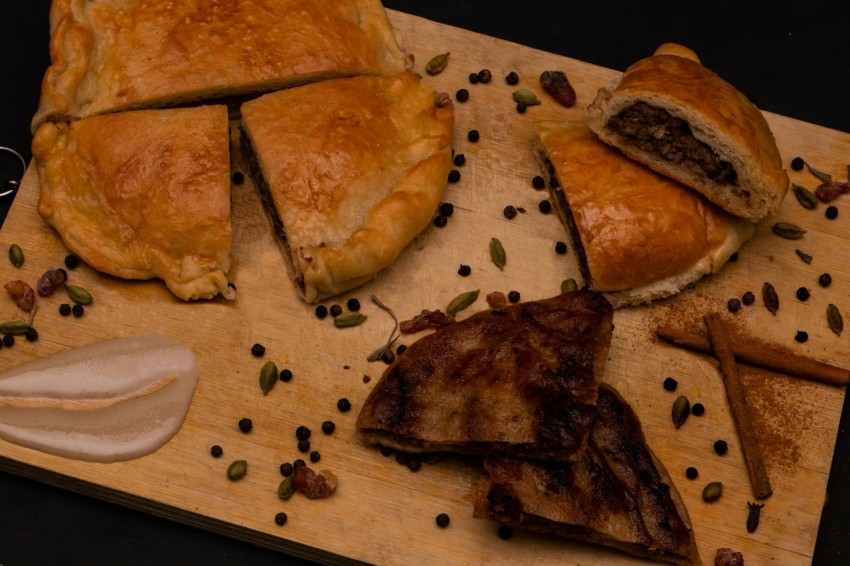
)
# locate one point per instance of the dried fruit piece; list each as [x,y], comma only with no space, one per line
[829,191]
[558,86]
[426,320]
[496,300]
[314,485]
[50,281]
[22,294]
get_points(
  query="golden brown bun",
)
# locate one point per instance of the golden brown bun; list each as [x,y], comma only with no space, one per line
[112,55]
[143,194]
[355,169]
[643,236]
[718,115]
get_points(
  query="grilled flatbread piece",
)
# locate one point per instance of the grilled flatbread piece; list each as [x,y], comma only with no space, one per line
[617,494]
[520,381]
[109,55]
[638,235]
[677,117]
[350,171]
[143,194]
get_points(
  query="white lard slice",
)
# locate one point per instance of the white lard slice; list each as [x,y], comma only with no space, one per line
[113,400]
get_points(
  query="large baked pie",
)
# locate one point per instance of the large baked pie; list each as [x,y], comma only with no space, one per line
[638,235]
[110,55]
[143,194]
[350,171]
[681,119]
[519,381]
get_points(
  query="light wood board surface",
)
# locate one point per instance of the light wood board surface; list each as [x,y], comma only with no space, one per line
[382,512]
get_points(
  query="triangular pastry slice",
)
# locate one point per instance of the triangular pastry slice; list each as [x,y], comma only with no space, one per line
[516,381]
[143,194]
[617,494]
[350,171]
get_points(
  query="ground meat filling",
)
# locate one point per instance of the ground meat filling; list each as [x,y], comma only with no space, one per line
[655,131]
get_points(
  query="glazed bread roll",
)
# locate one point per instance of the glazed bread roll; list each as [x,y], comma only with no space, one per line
[638,235]
[682,120]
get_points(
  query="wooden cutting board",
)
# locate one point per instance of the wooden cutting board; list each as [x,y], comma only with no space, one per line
[382,512]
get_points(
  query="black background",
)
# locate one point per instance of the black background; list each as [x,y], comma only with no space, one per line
[789,57]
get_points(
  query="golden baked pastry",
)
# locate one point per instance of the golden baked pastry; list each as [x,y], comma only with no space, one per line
[681,119]
[617,494]
[350,171]
[110,55]
[518,381]
[638,235]
[143,194]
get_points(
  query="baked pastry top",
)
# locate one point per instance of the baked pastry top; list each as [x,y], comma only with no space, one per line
[143,194]
[518,381]
[350,170]
[638,235]
[672,114]
[110,55]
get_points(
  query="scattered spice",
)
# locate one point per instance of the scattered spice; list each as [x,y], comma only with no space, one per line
[285,375]
[803,294]
[237,470]
[728,557]
[16,255]
[670,384]
[302,432]
[748,298]
[538,182]
[462,95]
[496,300]
[473,136]
[14,327]
[770,298]
[382,352]
[8,340]
[824,177]
[268,377]
[733,305]
[805,197]
[497,254]
[335,310]
[521,108]
[568,285]
[462,301]
[258,350]
[712,492]
[825,280]
[238,177]
[426,320]
[216,451]
[753,516]
[328,427]
[485,76]
[349,319]
[22,294]
[788,230]
[443,520]
[831,212]
[454,176]
[286,469]
[78,295]
[801,336]
[401,349]
[447,208]
[558,86]
[681,410]
[505,532]
[344,405]
[560,248]
[31,335]
[353,304]
[721,447]
[285,489]
[510,212]
[803,256]
[437,64]
[526,97]
[473,78]
[245,425]
[64,309]
[50,280]
[797,164]
[545,206]
[698,410]
[280,519]
[315,456]
[321,311]
[459,160]
[512,78]
[304,445]
[514,296]
[691,473]
[464,270]
[834,319]
[441,220]
[314,485]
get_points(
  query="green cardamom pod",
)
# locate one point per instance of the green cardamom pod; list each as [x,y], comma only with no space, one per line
[349,319]
[804,256]
[834,319]
[16,255]
[568,286]
[805,197]
[497,253]
[525,96]
[285,490]
[78,295]
[268,377]
[770,298]
[462,301]
[437,64]
[15,327]
[788,231]
[681,410]
[712,492]
[237,470]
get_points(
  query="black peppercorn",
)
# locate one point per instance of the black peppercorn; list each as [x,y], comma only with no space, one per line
[78,310]
[464,270]
[321,311]
[698,409]
[303,433]
[462,95]
[801,336]
[473,78]
[538,182]
[8,340]
[386,451]
[280,519]
[670,384]
[459,160]
[720,447]
[64,309]
[443,520]
[473,136]
[485,76]
[258,350]
[31,335]
[447,209]
[797,164]
[388,357]
[454,176]
[512,78]
[545,206]
[402,458]
[802,293]
[441,220]
[691,473]
[560,248]
[344,405]
[831,212]
[298,463]
[328,427]
[414,464]
[505,532]
[245,425]
[238,177]
[71,261]
[285,375]
[401,349]
[513,296]
[510,212]
[825,280]
[286,469]
[521,108]
[315,456]
[335,310]
[216,451]
[303,445]
[733,305]
[748,298]
[353,304]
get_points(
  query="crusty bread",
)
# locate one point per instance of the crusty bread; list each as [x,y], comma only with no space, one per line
[638,235]
[753,183]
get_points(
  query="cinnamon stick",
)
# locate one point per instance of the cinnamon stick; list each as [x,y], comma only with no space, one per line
[722,345]
[749,351]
